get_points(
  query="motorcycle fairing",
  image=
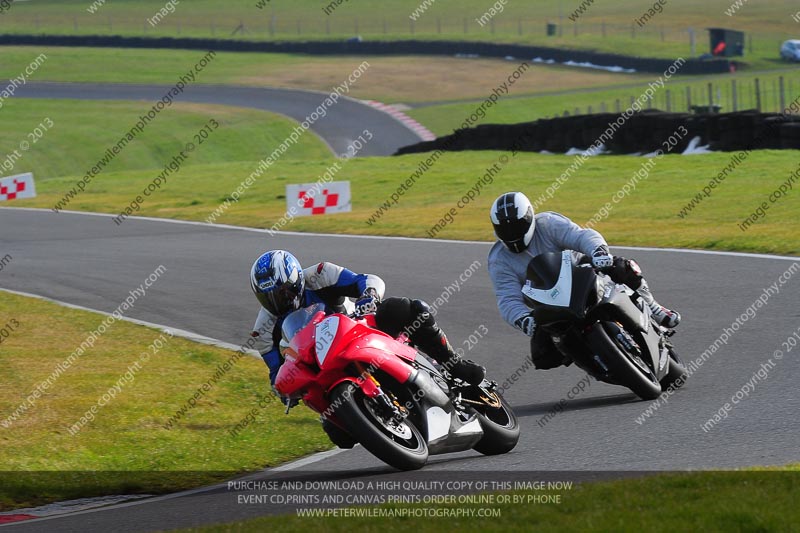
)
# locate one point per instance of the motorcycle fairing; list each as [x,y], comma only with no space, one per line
[557,289]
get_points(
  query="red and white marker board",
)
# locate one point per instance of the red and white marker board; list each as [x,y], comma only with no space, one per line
[17,187]
[318,198]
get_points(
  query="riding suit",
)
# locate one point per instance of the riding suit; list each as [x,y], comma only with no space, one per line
[330,284]
[556,233]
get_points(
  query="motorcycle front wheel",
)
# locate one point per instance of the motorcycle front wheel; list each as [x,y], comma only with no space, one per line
[397,443]
[626,367]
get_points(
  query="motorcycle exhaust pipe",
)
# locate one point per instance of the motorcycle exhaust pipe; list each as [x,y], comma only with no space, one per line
[429,390]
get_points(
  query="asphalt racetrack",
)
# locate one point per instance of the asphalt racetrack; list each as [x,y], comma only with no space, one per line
[87,260]
[340,126]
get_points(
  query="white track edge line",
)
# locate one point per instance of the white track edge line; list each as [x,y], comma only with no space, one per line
[292,465]
[388,237]
[182,333]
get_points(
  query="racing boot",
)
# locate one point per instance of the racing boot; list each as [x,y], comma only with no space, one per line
[666,317]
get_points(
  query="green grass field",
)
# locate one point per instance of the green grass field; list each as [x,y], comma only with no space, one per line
[82,132]
[143,456]
[199,448]
[704,501]
[457,84]
[605,26]
[229,157]
[388,78]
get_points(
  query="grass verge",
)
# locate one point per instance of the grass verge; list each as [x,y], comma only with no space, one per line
[126,448]
[648,216]
[702,501]
[388,78]
[82,131]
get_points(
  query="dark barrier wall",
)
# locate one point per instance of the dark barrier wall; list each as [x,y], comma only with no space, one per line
[448,48]
[643,132]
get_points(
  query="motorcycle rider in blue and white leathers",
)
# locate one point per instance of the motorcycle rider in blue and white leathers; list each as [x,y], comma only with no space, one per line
[281,286]
[523,235]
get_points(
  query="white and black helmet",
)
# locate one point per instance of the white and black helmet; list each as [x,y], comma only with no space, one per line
[513,221]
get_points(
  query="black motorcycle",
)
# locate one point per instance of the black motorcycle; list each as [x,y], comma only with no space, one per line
[603,327]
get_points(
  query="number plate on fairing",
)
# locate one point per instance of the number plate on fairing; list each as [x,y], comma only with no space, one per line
[325,332]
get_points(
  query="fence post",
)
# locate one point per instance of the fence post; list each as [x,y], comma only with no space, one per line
[384,26]
[466,25]
[299,30]
[783,95]
[327,25]
[669,101]
[734,96]
[519,26]
[491,25]
[775,92]
[617,106]
[356,25]
[603,26]
[710,97]
[438,25]
[688,99]
[272,26]
[758,94]
[411,26]
[602,107]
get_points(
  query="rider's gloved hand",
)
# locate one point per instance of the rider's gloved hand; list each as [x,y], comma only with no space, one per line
[601,258]
[526,324]
[368,302]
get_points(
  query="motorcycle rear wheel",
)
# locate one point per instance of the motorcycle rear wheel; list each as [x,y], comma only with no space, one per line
[500,428]
[400,445]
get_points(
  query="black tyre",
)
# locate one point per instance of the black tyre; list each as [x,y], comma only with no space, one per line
[500,428]
[627,367]
[399,445]
[676,375]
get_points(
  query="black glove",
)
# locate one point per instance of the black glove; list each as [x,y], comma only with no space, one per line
[601,258]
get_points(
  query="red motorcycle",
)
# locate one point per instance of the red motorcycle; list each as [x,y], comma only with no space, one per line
[385,394]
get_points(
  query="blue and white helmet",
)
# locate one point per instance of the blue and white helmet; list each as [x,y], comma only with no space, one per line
[277,281]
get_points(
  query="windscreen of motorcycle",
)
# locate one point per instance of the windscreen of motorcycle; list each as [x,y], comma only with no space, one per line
[544,266]
[296,321]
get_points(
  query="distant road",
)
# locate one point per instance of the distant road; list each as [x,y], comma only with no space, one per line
[344,122]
